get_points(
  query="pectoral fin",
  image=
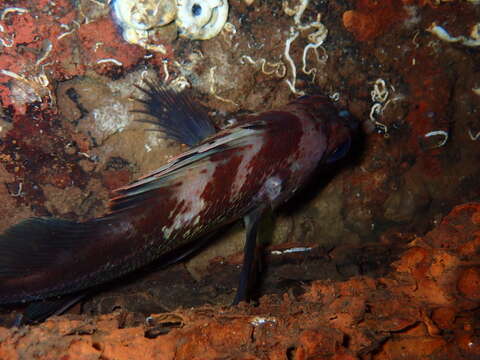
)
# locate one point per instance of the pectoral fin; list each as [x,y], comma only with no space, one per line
[252,221]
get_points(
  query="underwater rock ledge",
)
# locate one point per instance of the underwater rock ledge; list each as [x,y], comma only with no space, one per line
[426,307]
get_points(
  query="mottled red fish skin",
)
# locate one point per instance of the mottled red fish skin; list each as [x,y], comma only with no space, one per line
[219,189]
[288,146]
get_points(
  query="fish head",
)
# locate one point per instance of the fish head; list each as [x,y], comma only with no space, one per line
[340,131]
[339,126]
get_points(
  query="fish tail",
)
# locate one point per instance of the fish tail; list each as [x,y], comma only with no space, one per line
[25,246]
[39,257]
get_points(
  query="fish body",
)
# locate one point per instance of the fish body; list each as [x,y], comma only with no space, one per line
[258,163]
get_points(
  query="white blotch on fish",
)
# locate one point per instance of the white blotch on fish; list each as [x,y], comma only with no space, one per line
[188,195]
[244,168]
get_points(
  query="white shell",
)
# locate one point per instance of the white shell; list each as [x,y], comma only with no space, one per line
[144,14]
[138,18]
[201,19]
[195,19]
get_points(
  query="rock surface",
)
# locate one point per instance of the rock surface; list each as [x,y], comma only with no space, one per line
[68,139]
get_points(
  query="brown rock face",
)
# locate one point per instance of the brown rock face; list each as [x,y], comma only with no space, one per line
[469,283]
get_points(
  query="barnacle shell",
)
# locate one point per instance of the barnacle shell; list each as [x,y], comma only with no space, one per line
[138,18]
[144,14]
[201,19]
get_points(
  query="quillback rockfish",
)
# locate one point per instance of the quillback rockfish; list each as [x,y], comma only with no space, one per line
[238,172]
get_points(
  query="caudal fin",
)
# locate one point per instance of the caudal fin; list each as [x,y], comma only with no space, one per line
[34,247]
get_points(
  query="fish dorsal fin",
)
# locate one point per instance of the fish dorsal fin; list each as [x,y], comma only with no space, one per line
[175,114]
[169,175]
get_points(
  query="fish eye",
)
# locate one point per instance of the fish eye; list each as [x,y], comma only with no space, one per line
[196,10]
[349,119]
[339,152]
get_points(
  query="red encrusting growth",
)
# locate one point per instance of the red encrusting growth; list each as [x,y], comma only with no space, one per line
[72,42]
[101,40]
[372,18]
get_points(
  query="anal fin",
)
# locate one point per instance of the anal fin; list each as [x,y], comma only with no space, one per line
[40,310]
